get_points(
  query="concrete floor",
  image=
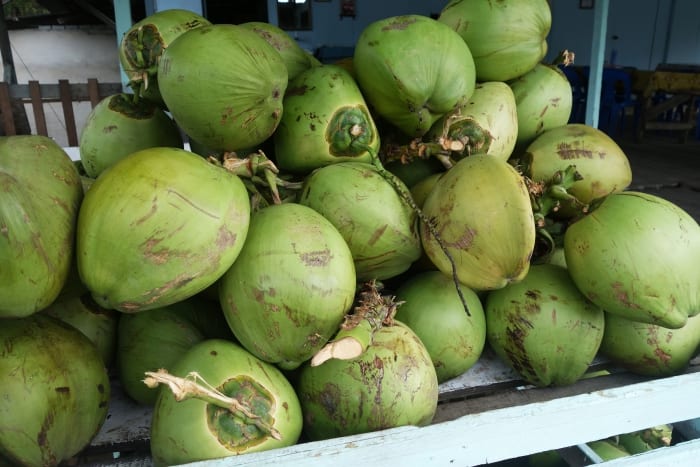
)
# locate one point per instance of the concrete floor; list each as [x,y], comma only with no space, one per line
[48,54]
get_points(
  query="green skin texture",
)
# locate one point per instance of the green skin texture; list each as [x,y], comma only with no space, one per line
[543,327]
[54,393]
[648,349]
[412,70]
[321,107]
[433,310]
[295,58]
[158,30]
[543,99]
[636,255]
[117,127]
[378,226]
[603,165]
[489,119]
[290,287]
[159,226]
[40,195]
[180,431]
[224,86]
[482,212]
[98,324]
[157,338]
[506,38]
[393,383]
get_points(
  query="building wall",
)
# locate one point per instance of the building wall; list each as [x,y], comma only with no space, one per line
[642,33]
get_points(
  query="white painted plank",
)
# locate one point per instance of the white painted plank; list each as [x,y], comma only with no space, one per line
[499,434]
[682,454]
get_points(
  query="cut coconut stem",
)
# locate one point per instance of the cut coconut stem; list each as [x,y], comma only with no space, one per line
[252,167]
[373,312]
[190,388]
[565,57]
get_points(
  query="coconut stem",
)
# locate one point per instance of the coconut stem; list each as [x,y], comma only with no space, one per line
[255,165]
[189,388]
[565,57]
[406,196]
[373,312]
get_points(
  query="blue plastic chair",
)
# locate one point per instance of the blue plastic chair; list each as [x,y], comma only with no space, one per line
[615,99]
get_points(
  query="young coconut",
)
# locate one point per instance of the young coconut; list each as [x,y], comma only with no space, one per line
[431,307]
[413,70]
[325,121]
[295,58]
[378,225]
[288,290]
[54,391]
[482,212]
[160,226]
[544,327]
[507,39]
[543,99]
[120,125]
[648,349]
[145,41]
[602,165]
[40,198]
[224,86]
[636,255]
[220,401]
[375,374]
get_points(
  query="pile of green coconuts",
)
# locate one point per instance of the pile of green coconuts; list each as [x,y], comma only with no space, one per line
[269,250]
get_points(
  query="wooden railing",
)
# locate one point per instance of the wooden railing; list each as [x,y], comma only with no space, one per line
[38,95]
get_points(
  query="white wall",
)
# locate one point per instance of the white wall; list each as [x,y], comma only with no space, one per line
[331,30]
[648,32]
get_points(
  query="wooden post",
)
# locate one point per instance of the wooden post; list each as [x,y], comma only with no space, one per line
[18,114]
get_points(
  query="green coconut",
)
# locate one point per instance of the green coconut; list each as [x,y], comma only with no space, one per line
[507,39]
[486,124]
[413,70]
[221,401]
[295,58]
[158,338]
[290,287]
[649,349]
[481,211]
[543,100]
[119,125]
[40,195]
[159,226]
[325,121]
[223,85]
[54,391]
[636,255]
[434,311]
[602,165]
[544,327]
[143,44]
[392,383]
[378,225]
[97,323]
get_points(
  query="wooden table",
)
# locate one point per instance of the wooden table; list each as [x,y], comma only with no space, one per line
[680,88]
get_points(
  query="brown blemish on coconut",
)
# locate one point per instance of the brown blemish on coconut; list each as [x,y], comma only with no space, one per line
[399,23]
[567,152]
[622,296]
[318,258]
[377,234]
